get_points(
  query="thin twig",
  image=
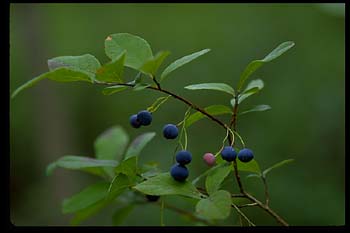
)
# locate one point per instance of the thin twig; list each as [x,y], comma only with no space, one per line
[243,215]
[267,196]
[247,205]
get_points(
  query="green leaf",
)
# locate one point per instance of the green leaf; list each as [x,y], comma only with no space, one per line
[276,166]
[119,185]
[254,65]
[253,87]
[59,75]
[164,184]
[88,212]
[217,206]
[86,164]
[113,89]
[138,144]
[253,176]
[85,198]
[121,214]
[112,71]
[213,110]
[251,166]
[85,63]
[151,66]
[141,86]
[111,143]
[212,86]
[217,176]
[138,51]
[182,61]
[128,167]
[258,108]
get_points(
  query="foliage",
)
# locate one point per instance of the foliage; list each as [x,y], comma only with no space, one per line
[116,160]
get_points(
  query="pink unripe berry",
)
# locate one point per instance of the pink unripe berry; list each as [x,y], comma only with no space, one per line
[209,159]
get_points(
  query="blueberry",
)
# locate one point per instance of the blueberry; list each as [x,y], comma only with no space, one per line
[179,172]
[152,198]
[183,157]
[228,153]
[134,122]
[245,155]
[170,131]
[209,159]
[145,117]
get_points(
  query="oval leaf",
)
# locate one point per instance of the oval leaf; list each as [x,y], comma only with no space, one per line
[113,89]
[213,110]
[182,61]
[217,176]
[85,63]
[276,166]
[254,65]
[86,164]
[59,75]
[112,71]
[85,198]
[151,66]
[258,108]
[212,86]
[111,143]
[138,144]
[217,206]
[138,51]
[164,184]
[251,166]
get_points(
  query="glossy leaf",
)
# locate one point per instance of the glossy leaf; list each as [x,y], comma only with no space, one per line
[59,75]
[251,166]
[217,176]
[182,61]
[212,86]
[141,86]
[213,110]
[86,164]
[112,71]
[127,167]
[254,65]
[113,89]
[253,87]
[164,184]
[151,66]
[111,143]
[138,51]
[85,198]
[217,206]
[284,162]
[120,184]
[85,63]
[258,108]
[138,144]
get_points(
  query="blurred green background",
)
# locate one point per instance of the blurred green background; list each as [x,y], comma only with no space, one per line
[305,88]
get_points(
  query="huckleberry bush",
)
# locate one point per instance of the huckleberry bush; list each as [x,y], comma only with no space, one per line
[124,182]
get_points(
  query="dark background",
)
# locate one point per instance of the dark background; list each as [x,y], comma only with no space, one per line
[305,88]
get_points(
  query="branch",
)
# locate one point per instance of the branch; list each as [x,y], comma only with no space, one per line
[267,209]
[267,196]
[199,109]
[243,193]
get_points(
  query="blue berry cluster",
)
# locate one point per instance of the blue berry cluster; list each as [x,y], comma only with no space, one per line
[179,171]
[229,154]
[144,117]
